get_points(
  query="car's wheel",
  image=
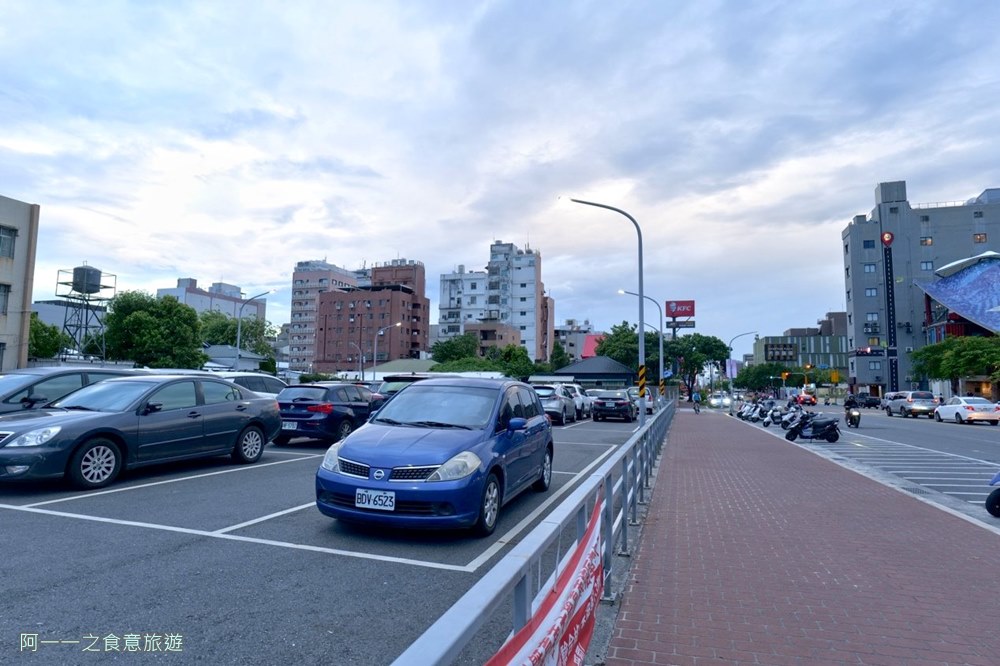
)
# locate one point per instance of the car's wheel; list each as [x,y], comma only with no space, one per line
[543,482]
[95,464]
[993,503]
[958,418]
[579,414]
[281,440]
[249,445]
[832,437]
[489,506]
[888,411]
[937,417]
[344,429]
[994,422]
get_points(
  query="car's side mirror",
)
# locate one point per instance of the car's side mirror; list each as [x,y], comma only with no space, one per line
[152,407]
[29,402]
[517,423]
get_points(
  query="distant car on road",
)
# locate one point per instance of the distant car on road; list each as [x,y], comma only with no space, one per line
[120,423]
[912,403]
[805,399]
[967,409]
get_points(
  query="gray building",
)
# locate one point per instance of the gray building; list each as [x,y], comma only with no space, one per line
[221,297]
[885,253]
[824,347]
[18,241]
[572,335]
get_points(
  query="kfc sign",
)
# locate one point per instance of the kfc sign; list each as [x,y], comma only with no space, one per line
[680,309]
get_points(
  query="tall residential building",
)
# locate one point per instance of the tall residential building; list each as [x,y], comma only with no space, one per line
[885,253]
[510,291]
[356,327]
[573,337]
[309,280]
[221,297]
[18,240]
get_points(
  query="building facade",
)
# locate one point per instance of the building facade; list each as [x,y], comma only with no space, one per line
[309,280]
[18,242]
[363,326]
[221,297]
[823,347]
[572,335]
[510,291]
[885,254]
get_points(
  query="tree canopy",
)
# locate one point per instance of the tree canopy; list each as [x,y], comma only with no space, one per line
[459,347]
[957,357]
[154,332]
[692,353]
[559,359]
[46,340]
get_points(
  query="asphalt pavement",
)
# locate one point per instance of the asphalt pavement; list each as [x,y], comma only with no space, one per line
[759,551]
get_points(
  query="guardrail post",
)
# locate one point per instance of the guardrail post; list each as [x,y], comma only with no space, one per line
[522,603]
[637,473]
[648,448]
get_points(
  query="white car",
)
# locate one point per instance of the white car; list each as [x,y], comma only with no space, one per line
[968,410]
[584,403]
[649,402]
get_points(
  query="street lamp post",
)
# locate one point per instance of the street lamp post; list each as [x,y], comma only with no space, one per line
[361,361]
[660,310]
[239,324]
[642,298]
[375,346]
[730,353]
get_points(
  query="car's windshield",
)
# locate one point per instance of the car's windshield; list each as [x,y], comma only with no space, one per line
[462,406]
[106,396]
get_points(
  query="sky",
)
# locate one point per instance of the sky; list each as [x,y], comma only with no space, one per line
[226,141]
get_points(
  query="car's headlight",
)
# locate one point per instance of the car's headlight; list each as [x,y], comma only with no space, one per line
[35,437]
[459,467]
[330,460]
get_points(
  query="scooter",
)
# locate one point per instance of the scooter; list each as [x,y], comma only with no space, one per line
[993,500]
[852,417]
[773,416]
[814,426]
[791,416]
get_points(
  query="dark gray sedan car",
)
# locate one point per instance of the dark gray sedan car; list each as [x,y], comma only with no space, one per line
[94,433]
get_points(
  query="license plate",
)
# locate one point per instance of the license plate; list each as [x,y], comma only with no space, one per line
[289,425]
[383,500]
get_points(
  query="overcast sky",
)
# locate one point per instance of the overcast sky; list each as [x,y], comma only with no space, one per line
[225,141]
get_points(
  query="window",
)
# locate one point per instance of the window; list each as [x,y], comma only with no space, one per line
[926,240]
[175,396]
[893,209]
[873,342]
[847,271]
[846,251]
[868,244]
[874,365]
[523,285]
[869,268]
[216,393]
[977,213]
[871,316]
[4,297]
[926,265]
[925,218]
[978,238]
[848,294]
[871,291]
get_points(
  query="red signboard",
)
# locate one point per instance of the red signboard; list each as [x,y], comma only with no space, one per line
[679,309]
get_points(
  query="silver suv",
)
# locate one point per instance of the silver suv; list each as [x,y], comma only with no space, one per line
[911,403]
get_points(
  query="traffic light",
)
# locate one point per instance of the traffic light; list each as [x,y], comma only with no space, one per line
[784,375]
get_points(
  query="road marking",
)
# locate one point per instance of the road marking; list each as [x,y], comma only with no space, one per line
[277,514]
[182,478]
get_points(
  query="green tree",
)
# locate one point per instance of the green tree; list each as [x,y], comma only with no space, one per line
[559,359]
[692,353]
[958,357]
[155,332]
[217,328]
[469,364]
[621,344]
[46,340]
[515,362]
[461,346]
[760,377]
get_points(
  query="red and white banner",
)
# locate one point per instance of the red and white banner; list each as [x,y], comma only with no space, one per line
[559,632]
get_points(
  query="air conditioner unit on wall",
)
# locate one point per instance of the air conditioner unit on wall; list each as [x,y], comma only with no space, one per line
[909,349]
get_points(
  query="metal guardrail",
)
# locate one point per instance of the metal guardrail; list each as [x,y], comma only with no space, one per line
[443,641]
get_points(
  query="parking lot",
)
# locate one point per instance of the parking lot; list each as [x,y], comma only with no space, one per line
[237,565]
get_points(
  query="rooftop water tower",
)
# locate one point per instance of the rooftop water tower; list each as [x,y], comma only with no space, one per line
[86,291]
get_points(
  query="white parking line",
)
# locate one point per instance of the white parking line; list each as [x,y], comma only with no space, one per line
[183,478]
[263,518]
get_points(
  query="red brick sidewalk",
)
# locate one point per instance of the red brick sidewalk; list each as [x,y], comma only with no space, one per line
[756,551]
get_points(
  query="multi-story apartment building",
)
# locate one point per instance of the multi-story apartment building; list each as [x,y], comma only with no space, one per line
[823,347]
[309,280]
[362,326]
[572,335]
[510,291]
[221,297]
[18,240]
[885,254]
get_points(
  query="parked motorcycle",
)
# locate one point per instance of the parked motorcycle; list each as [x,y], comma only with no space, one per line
[852,416]
[773,416]
[791,416]
[993,500]
[814,426]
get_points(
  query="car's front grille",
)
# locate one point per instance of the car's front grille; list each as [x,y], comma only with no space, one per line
[352,468]
[412,473]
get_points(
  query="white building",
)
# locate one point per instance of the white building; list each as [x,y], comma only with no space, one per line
[18,240]
[222,297]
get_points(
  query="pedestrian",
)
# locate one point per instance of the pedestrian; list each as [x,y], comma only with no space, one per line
[696,399]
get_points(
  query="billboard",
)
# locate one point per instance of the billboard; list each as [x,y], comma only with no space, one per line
[679,309]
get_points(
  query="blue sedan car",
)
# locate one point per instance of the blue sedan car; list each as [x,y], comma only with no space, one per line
[442,453]
[94,433]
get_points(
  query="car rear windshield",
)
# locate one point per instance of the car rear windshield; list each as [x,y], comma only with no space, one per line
[544,391]
[922,395]
[612,394]
[293,393]
[977,401]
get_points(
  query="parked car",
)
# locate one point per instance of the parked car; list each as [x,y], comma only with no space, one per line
[912,403]
[122,423]
[646,402]
[968,409]
[328,411]
[615,404]
[29,388]
[557,402]
[584,403]
[442,453]
[391,384]
[258,382]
